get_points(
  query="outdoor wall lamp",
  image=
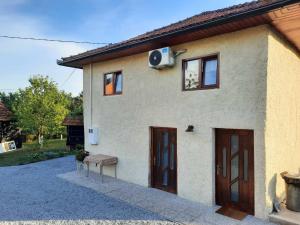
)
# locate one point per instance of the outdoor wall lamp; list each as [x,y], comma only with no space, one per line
[190,128]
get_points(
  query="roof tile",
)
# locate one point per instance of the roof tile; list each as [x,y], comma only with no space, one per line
[180,25]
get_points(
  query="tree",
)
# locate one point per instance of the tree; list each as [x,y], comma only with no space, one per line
[9,99]
[41,107]
[76,106]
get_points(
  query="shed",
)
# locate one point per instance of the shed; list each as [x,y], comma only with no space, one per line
[75,131]
[5,118]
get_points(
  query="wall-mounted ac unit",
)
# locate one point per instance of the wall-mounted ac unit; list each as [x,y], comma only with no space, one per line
[161,58]
[93,135]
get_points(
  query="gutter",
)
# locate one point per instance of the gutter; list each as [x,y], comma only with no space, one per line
[208,24]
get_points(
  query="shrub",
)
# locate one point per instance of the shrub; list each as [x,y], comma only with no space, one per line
[81,155]
[79,147]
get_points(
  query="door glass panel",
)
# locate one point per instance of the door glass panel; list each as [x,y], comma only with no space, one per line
[158,154]
[224,160]
[172,156]
[246,165]
[165,158]
[234,167]
[165,177]
[234,144]
[235,192]
[165,150]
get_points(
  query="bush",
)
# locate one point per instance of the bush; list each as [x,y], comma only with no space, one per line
[30,138]
[79,147]
[81,155]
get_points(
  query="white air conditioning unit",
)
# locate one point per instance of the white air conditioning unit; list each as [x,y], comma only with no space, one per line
[161,58]
[93,135]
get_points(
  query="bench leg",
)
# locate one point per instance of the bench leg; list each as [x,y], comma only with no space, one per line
[101,173]
[88,169]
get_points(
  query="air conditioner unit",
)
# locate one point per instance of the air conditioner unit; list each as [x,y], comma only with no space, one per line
[93,136]
[161,58]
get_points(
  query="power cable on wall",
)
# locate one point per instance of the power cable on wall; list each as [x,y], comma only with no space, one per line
[53,40]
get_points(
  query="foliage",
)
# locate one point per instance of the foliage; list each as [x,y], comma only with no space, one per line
[81,155]
[8,131]
[32,153]
[41,107]
[9,99]
[76,106]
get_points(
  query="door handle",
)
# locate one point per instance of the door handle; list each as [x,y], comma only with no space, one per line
[219,169]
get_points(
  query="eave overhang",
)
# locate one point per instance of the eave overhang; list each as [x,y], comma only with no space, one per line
[284,16]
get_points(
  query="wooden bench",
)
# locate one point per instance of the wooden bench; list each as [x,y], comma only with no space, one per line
[101,160]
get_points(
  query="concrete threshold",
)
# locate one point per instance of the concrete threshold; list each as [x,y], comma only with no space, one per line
[285,217]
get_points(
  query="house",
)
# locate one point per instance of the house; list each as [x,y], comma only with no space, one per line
[234,87]
[75,131]
[5,118]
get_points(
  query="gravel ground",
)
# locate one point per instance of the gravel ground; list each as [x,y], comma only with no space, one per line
[33,194]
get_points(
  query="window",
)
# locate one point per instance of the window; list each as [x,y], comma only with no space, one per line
[201,73]
[113,83]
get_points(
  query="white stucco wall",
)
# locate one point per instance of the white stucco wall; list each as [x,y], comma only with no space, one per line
[282,117]
[155,98]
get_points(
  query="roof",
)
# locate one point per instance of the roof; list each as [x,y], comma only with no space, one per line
[73,121]
[5,114]
[202,21]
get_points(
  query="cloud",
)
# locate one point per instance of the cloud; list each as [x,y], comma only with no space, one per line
[20,59]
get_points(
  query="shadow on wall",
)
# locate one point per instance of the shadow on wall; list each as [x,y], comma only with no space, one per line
[272,190]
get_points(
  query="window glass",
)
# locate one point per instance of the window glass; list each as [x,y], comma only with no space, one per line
[210,72]
[191,73]
[113,83]
[118,82]
[109,90]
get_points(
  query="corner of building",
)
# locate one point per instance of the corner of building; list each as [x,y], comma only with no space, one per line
[282,116]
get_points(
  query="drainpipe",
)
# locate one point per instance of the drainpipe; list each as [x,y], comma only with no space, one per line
[91,95]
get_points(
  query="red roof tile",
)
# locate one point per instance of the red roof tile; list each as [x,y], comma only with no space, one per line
[178,26]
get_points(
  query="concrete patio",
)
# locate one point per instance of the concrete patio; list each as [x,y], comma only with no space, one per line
[33,194]
[164,204]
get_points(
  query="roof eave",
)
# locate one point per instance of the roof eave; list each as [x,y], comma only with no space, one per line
[74,61]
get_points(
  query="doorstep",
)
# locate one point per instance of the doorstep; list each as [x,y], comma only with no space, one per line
[286,217]
[165,204]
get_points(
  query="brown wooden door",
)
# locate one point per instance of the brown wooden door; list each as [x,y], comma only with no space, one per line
[164,159]
[235,169]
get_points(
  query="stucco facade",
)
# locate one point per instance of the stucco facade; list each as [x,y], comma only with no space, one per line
[282,142]
[248,97]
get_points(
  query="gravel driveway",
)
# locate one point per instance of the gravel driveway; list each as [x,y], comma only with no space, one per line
[33,194]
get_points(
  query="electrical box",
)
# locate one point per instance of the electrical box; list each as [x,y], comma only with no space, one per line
[93,135]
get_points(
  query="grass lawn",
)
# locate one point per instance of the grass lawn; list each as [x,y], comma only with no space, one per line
[32,153]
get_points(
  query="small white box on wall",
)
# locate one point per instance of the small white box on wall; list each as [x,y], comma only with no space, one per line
[93,135]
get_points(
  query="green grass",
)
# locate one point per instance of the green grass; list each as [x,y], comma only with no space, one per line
[31,152]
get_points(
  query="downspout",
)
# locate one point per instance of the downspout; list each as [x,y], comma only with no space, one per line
[91,94]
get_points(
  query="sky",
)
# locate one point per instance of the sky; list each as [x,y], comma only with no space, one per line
[107,21]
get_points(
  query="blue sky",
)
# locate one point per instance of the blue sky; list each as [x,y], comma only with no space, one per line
[82,20]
